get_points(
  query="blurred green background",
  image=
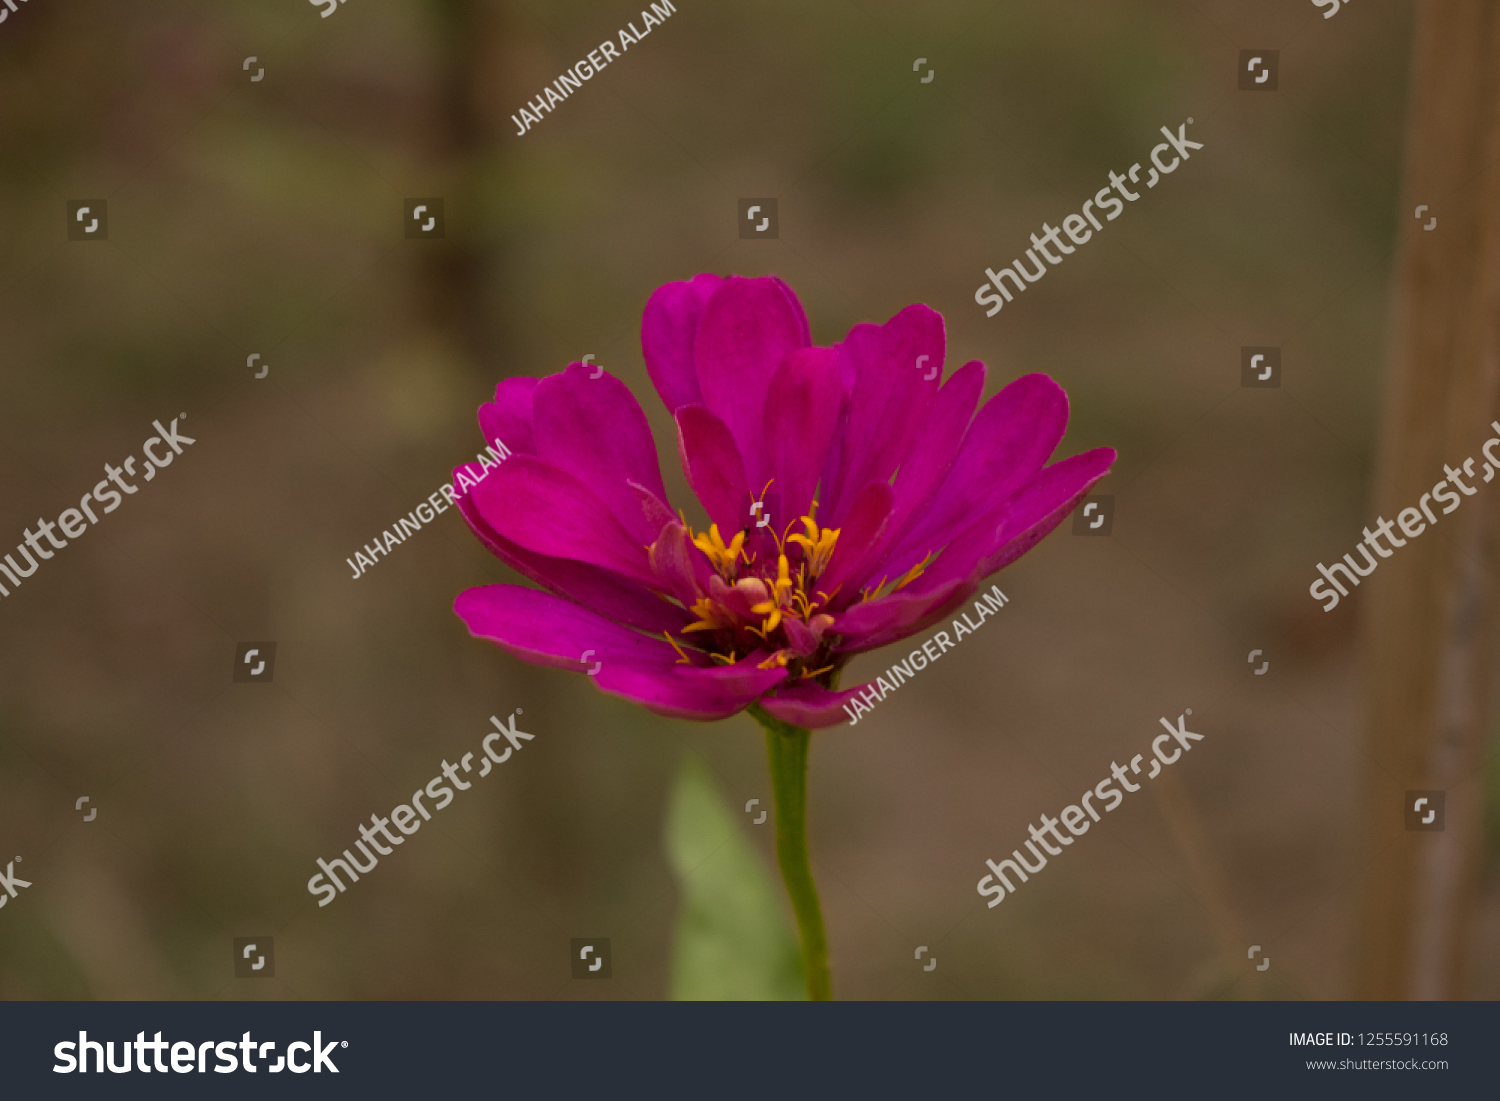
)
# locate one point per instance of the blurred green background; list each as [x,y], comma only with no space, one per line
[265,217]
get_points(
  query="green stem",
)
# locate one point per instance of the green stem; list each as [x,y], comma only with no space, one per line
[786,746]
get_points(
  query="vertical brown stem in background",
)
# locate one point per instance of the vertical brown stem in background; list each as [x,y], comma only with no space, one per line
[453,284]
[452,287]
[1431,611]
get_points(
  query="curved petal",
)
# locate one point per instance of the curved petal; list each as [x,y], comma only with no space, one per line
[508,417]
[549,511]
[927,463]
[891,399]
[747,329]
[668,331]
[657,513]
[859,537]
[877,623]
[691,693]
[1005,447]
[611,594]
[961,558]
[594,429]
[548,630]
[679,566]
[802,408]
[811,705]
[796,304]
[800,637]
[931,456]
[1016,525]
[713,465]
[1045,503]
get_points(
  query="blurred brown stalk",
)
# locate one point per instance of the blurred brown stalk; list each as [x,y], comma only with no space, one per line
[1432,616]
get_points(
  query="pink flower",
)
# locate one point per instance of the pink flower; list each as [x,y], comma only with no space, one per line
[889,501]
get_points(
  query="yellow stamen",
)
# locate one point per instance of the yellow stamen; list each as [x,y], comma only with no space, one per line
[772,611]
[723,557]
[817,545]
[783,578]
[770,599]
[913,573]
[771,608]
[708,615]
[684,659]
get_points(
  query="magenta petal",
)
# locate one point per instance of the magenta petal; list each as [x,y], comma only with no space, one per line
[1005,447]
[927,463]
[744,677]
[796,304]
[810,705]
[1045,503]
[802,408]
[675,562]
[691,693]
[593,429]
[548,630]
[800,635]
[891,399]
[931,455]
[655,509]
[961,558]
[734,598]
[859,539]
[714,469]
[508,417]
[549,511]
[748,328]
[875,623]
[668,333]
[605,591]
[1014,526]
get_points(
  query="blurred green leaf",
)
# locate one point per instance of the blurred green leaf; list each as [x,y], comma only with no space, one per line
[733,940]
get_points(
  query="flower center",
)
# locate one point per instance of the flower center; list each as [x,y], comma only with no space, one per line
[773,603]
